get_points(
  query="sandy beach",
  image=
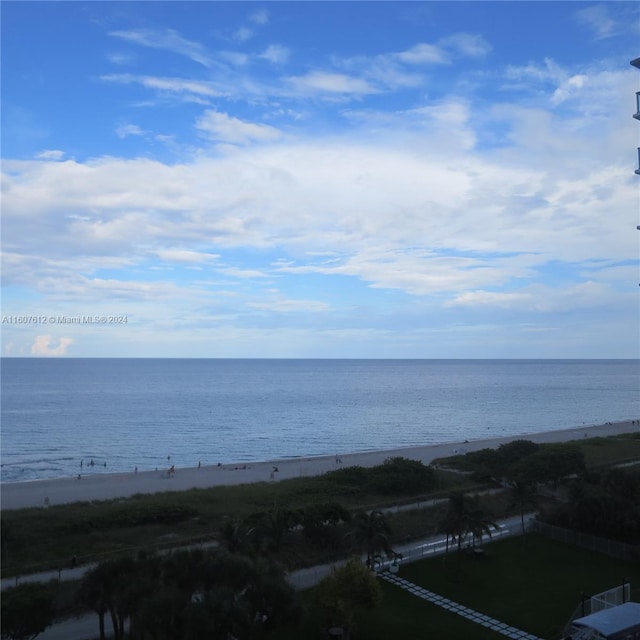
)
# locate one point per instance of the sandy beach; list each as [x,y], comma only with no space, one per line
[42,493]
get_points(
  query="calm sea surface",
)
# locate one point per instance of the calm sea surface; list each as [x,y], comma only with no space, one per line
[136,412]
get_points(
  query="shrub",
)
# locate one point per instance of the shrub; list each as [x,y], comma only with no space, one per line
[400,476]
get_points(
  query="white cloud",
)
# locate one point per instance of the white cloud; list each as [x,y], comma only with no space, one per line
[418,210]
[50,154]
[467,44]
[549,72]
[126,130]
[598,19]
[281,305]
[235,58]
[234,272]
[120,58]
[243,34]
[172,85]
[332,83]
[568,88]
[46,346]
[260,17]
[224,128]
[543,299]
[275,54]
[423,54]
[168,39]
[495,299]
[186,256]
[398,69]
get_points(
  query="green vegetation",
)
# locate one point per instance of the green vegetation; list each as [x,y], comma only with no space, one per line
[465,516]
[522,461]
[189,595]
[370,533]
[27,610]
[347,591]
[611,450]
[603,502]
[595,452]
[534,587]
[37,539]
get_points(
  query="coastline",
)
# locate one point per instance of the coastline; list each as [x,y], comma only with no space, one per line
[42,493]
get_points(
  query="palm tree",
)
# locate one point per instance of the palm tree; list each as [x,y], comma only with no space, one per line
[454,523]
[478,522]
[94,594]
[523,496]
[101,592]
[371,532]
[274,524]
[465,516]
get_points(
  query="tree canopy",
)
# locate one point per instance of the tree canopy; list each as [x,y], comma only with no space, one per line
[27,610]
[349,589]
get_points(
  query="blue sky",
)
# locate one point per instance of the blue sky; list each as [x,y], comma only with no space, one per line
[320,179]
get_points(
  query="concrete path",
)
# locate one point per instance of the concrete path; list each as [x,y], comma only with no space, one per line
[461,610]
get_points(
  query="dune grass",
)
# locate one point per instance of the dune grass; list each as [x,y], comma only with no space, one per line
[611,450]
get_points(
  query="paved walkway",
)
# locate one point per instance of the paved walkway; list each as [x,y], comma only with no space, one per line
[454,607]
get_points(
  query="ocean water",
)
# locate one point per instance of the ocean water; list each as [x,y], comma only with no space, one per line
[123,413]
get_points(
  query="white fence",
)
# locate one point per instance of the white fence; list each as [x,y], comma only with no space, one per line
[593,543]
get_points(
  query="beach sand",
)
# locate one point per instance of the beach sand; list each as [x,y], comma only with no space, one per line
[42,493]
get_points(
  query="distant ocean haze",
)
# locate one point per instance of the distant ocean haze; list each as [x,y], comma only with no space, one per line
[150,413]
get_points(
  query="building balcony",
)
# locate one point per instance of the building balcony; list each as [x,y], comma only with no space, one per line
[636,115]
[637,171]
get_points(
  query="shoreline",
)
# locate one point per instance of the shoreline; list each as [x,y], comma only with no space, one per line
[107,486]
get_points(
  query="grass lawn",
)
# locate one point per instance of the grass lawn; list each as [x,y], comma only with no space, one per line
[533,587]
